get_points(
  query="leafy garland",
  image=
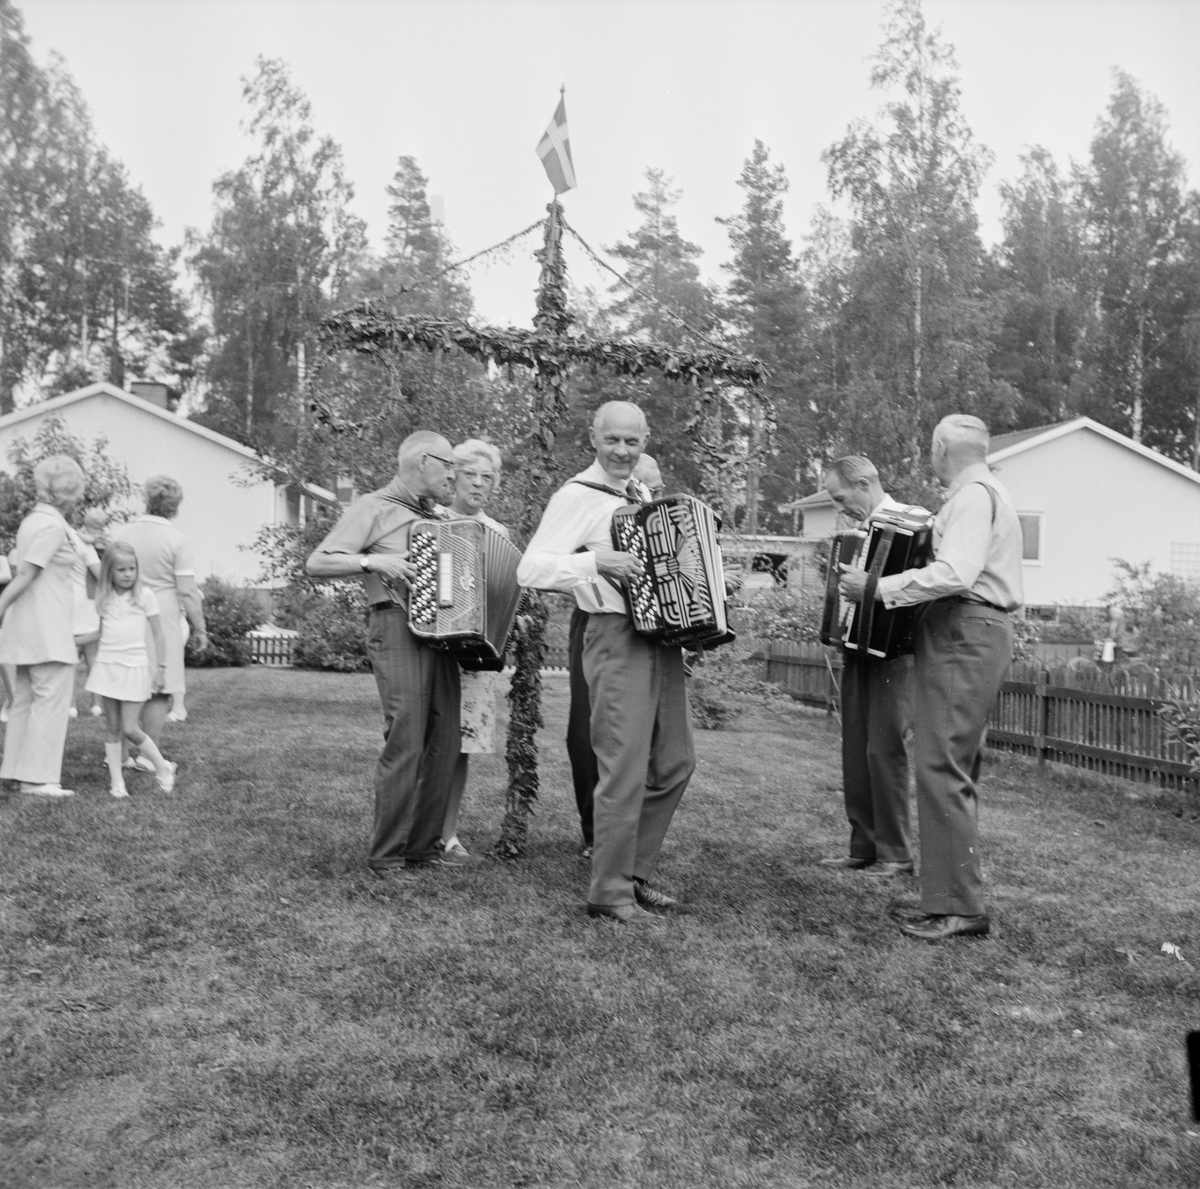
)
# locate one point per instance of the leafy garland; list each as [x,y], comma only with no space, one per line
[376,332]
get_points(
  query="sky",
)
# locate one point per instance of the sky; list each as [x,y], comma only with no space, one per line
[467,87]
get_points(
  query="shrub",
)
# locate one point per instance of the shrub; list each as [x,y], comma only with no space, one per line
[333,632]
[725,683]
[229,613]
[778,615]
[1163,612]
[1076,625]
[1181,715]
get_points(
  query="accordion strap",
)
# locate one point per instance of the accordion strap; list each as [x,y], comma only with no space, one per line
[600,487]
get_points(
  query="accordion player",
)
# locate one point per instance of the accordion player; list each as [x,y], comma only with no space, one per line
[680,596]
[892,541]
[464,596]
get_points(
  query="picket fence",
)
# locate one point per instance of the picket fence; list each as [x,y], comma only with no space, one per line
[1104,722]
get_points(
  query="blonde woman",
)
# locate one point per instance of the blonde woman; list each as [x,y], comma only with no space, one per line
[476,479]
[36,637]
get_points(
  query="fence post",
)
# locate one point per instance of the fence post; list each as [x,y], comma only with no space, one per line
[1042,710]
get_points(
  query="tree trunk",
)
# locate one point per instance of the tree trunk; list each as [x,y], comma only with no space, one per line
[1139,378]
[752,468]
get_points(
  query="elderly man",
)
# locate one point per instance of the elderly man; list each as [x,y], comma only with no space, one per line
[584,772]
[418,685]
[641,730]
[962,649]
[875,701]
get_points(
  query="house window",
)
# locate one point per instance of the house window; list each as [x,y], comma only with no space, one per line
[1185,560]
[1031,536]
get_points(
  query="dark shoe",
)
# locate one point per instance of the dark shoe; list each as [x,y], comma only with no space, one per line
[886,870]
[849,863]
[649,897]
[910,915]
[939,928]
[387,872]
[624,914]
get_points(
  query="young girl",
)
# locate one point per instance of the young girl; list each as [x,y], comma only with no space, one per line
[121,672]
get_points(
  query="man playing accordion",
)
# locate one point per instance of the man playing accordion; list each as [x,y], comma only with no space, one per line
[641,728]
[876,709]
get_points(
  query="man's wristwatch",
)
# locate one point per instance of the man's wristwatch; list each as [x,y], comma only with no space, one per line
[365,558]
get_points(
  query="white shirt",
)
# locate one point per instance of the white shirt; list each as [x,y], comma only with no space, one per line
[123,627]
[577,517]
[975,553]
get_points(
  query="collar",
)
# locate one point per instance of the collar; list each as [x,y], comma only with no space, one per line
[154,519]
[50,510]
[887,504]
[977,472]
[397,492]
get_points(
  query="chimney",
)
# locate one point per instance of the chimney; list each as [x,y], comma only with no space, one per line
[155,393]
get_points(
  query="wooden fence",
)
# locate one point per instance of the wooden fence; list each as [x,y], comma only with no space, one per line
[1104,722]
[270,648]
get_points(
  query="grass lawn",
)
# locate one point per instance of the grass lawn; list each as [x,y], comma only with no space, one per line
[209,989]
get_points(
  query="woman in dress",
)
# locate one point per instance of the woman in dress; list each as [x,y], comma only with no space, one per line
[476,478]
[36,621]
[167,570]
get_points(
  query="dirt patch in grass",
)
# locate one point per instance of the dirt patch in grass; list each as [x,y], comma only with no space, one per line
[209,989]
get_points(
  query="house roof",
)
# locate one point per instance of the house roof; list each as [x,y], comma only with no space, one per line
[103,388]
[1006,445]
[818,499]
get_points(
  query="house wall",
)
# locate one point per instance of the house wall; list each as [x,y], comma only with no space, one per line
[217,515]
[1099,500]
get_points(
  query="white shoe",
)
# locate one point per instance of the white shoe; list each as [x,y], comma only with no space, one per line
[145,763]
[4,712]
[118,790]
[97,710]
[167,782]
[73,712]
[47,790]
[454,847]
[177,716]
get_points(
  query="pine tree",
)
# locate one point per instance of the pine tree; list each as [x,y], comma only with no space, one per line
[766,306]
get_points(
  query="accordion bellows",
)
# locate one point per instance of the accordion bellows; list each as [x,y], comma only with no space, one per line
[892,542]
[680,597]
[465,594]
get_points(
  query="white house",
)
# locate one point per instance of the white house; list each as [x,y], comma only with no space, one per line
[226,500]
[1086,495]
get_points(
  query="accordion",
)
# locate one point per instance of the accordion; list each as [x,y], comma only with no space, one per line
[680,596]
[464,596]
[893,541]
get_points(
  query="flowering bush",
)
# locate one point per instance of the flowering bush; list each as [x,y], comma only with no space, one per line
[229,613]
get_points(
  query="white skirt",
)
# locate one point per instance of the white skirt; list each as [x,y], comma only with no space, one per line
[125,683]
[477,714]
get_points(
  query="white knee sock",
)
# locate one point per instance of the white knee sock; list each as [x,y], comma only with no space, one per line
[149,749]
[112,757]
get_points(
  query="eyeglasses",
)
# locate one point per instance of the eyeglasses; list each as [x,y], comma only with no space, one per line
[446,462]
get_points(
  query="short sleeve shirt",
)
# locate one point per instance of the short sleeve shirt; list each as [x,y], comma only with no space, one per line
[38,626]
[379,522]
[162,552]
[123,627]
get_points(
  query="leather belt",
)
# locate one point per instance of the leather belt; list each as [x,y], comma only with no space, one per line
[970,602]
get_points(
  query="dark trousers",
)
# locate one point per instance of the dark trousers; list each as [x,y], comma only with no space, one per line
[584,771]
[876,702]
[419,691]
[642,737]
[962,653]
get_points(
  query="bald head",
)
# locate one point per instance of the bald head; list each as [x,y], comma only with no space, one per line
[425,466]
[619,433]
[959,441]
[648,473]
